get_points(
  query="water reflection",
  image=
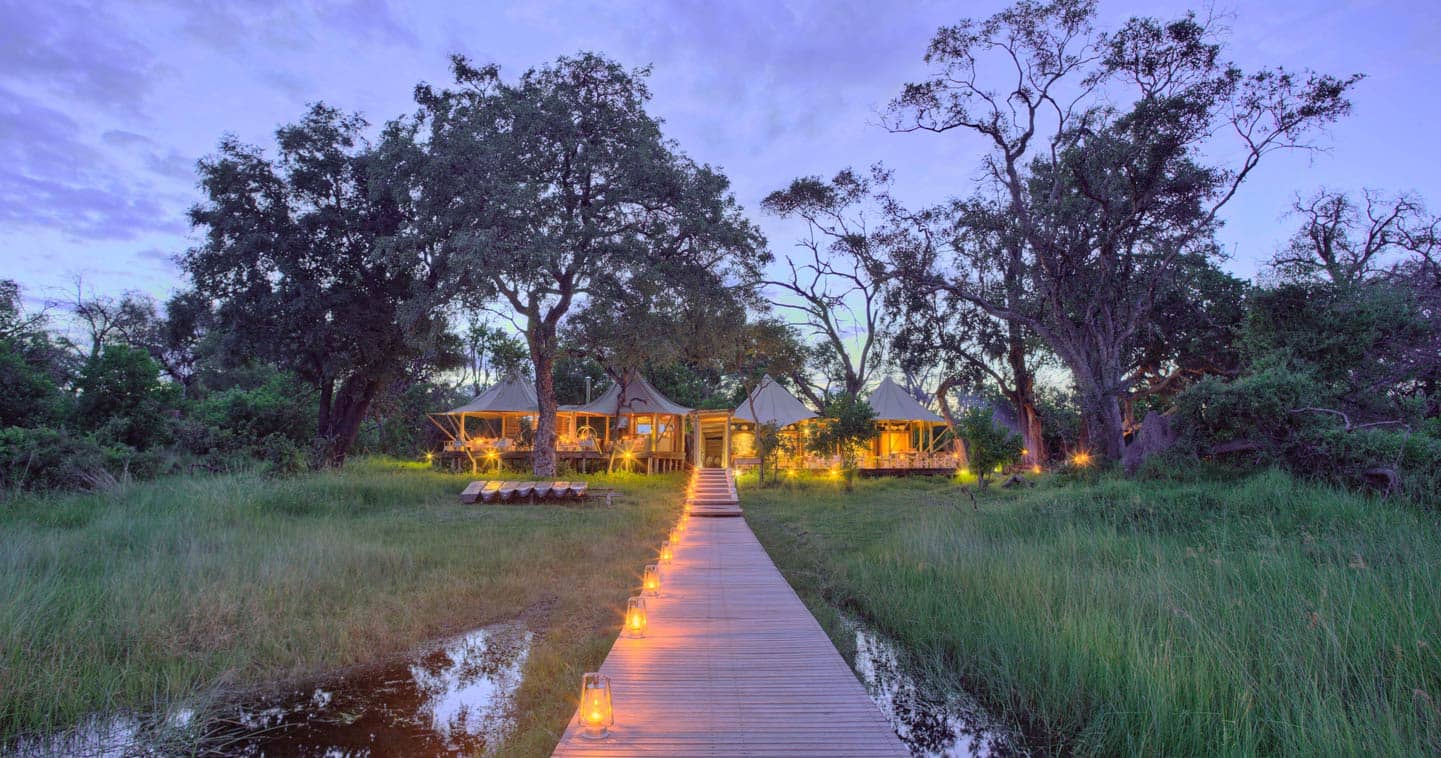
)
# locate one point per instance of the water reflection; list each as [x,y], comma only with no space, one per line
[932,723]
[448,700]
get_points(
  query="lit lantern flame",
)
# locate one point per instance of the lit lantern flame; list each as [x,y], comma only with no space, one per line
[595,712]
[1081,459]
[675,536]
[665,552]
[1036,469]
[635,618]
[429,457]
[651,580]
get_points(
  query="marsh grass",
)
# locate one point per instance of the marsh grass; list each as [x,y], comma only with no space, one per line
[1259,616]
[189,589]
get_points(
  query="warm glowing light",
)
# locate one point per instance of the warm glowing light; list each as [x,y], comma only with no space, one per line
[635,619]
[595,710]
[1036,469]
[675,535]
[665,552]
[492,455]
[1081,459]
[628,455]
[835,472]
[651,581]
[429,457]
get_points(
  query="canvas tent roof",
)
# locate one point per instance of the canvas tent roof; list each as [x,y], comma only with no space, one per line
[640,398]
[891,403]
[513,394]
[773,405]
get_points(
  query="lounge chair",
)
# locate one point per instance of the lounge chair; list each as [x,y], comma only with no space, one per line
[506,491]
[490,492]
[578,489]
[525,489]
[555,489]
[472,491]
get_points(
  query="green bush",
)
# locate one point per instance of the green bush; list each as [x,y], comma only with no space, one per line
[988,445]
[241,419]
[30,397]
[122,399]
[48,459]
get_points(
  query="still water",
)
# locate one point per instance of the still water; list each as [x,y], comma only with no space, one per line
[449,699]
[933,723]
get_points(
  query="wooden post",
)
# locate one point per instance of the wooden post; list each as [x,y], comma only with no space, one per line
[726,446]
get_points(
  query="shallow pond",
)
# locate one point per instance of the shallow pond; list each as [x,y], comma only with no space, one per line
[450,699]
[933,723]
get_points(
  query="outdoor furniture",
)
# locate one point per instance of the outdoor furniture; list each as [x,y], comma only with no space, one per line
[555,489]
[472,491]
[507,490]
[490,492]
[578,489]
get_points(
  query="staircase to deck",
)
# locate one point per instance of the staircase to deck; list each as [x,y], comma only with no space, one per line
[712,492]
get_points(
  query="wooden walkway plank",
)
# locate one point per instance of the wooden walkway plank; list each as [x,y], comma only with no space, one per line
[732,664]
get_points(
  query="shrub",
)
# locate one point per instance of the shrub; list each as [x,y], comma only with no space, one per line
[988,445]
[241,419]
[123,400]
[48,459]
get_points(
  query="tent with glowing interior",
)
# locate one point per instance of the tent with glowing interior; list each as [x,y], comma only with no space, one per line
[494,423]
[905,429]
[768,403]
[649,426]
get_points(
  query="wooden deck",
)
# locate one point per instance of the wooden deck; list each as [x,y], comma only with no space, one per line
[732,665]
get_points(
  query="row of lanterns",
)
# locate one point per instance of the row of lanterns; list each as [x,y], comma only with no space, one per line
[596,713]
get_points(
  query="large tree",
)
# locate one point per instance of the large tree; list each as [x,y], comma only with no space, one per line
[547,189]
[300,255]
[1102,147]
[827,286]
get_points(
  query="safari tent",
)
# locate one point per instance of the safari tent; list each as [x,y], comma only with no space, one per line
[905,431]
[649,426]
[494,423]
[768,403]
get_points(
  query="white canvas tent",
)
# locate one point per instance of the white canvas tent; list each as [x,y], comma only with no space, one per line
[904,427]
[772,404]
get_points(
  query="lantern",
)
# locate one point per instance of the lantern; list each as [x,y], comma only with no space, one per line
[651,580]
[675,533]
[680,525]
[595,715]
[665,553]
[635,620]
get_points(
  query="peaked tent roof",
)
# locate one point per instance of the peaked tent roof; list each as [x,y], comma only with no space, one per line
[640,398]
[891,403]
[773,405]
[513,394]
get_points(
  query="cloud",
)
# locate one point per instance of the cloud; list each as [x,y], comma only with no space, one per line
[76,51]
[51,177]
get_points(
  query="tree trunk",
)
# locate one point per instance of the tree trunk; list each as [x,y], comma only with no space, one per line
[341,414]
[1028,416]
[542,353]
[943,400]
[1101,417]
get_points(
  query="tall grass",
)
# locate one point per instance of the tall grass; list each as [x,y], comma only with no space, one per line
[1262,616]
[188,588]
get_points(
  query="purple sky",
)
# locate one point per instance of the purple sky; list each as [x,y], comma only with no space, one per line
[104,108]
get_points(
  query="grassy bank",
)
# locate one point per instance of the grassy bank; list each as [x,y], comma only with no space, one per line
[1263,616]
[178,590]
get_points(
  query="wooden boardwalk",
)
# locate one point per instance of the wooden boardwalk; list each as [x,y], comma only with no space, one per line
[732,665]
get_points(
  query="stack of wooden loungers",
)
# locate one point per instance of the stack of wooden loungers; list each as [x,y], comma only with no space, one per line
[501,492]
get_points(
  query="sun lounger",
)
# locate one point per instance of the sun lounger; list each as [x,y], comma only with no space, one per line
[490,492]
[555,489]
[472,492]
[578,489]
[506,490]
[525,489]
